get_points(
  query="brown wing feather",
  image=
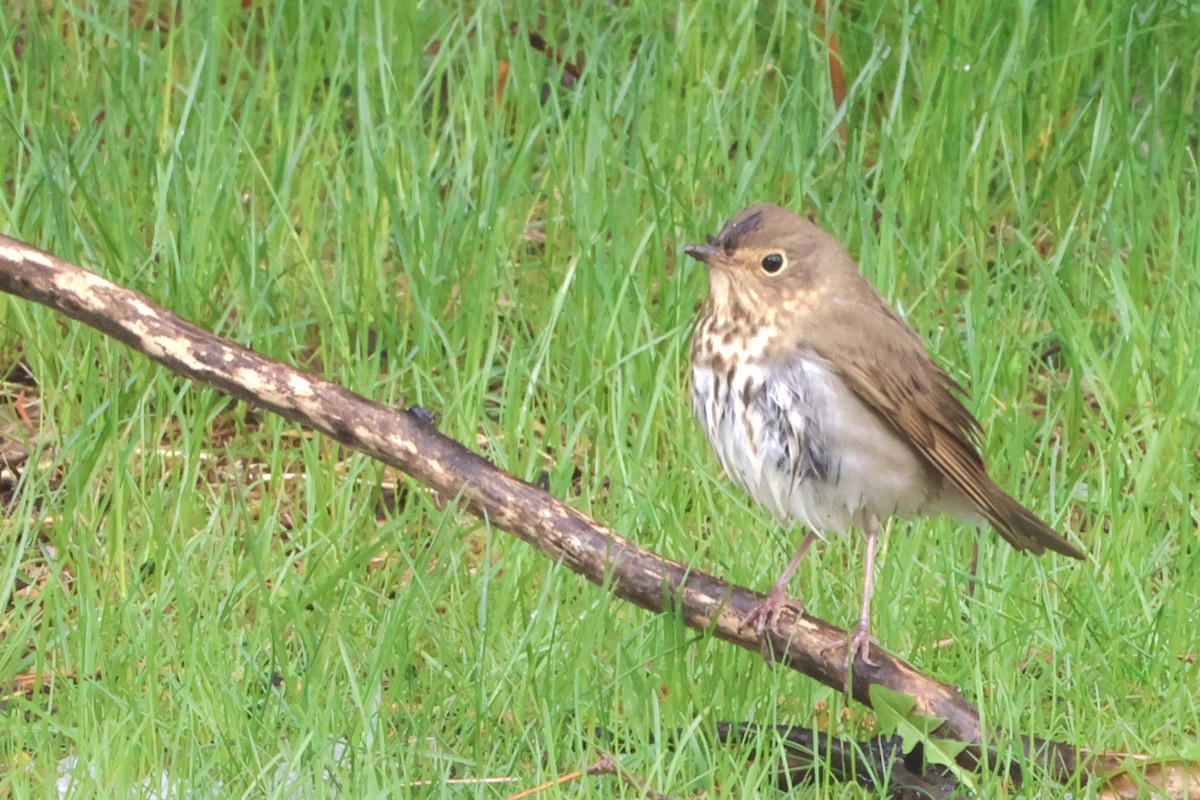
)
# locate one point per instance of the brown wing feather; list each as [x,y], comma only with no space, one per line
[920,402]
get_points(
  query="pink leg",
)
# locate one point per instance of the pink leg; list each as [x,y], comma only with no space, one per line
[767,612]
[860,640]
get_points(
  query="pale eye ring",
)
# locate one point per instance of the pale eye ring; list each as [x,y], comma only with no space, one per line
[772,263]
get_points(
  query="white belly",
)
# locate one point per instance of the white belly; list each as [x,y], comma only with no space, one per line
[829,464]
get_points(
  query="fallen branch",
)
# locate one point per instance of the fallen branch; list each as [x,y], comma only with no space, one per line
[564,535]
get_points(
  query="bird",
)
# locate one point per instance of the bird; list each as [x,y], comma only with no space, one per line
[823,404]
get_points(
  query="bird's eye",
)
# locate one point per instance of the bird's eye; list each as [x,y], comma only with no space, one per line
[772,263]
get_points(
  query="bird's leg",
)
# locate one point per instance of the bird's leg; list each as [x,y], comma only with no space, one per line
[860,640]
[767,612]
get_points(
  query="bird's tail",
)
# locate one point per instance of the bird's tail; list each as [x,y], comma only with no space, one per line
[1023,529]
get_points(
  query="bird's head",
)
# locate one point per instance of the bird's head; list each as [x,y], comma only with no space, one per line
[769,257]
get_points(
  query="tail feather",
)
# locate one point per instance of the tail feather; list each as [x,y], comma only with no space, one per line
[1024,530]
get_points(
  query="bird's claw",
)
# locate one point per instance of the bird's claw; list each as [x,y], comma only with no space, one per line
[767,613]
[858,646]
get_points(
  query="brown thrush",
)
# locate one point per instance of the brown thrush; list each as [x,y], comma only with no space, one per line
[822,403]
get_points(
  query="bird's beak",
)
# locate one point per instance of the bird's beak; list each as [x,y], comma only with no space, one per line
[710,253]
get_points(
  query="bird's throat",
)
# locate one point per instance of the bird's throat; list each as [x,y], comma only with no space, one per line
[735,325]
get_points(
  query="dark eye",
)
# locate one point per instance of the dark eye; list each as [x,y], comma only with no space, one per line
[772,263]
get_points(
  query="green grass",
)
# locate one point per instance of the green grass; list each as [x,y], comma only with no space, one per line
[330,188]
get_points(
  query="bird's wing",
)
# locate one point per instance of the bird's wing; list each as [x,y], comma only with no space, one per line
[893,376]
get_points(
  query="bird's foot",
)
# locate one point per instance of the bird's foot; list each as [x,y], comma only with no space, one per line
[859,645]
[768,611]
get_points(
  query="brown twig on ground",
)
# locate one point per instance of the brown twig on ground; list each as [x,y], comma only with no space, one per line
[607,765]
[563,534]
